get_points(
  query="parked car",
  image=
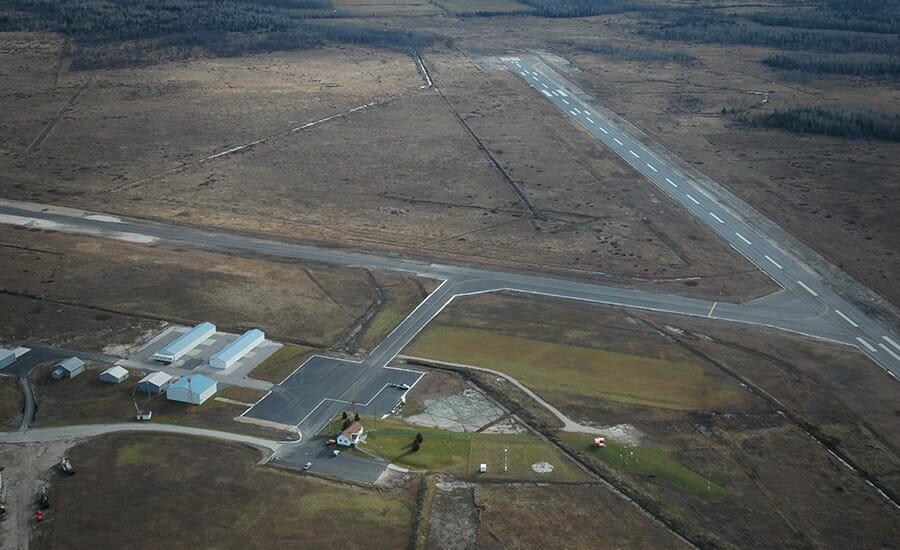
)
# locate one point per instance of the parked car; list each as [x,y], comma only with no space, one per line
[336,452]
[45,498]
[307,466]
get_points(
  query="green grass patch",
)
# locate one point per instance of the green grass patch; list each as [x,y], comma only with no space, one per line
[648,461]
[281,363]
[574,370]
[482,6]
[392,440]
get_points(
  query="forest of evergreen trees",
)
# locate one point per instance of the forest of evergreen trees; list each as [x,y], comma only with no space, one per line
[840,121]
[836,64]
[619,53]
[149,32]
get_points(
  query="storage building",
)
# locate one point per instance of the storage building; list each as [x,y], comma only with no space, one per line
[237,349]
[7,358]
[185,343]
[115,375]
[70,368]
[155,382]
[194,388]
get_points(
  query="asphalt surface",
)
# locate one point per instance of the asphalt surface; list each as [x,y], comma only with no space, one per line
[872,339]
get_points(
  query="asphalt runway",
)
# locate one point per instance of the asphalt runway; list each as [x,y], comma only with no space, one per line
[633,146]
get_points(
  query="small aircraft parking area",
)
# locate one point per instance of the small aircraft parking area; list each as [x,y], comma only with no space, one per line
[323,387]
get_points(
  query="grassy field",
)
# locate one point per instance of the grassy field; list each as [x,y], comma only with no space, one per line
[554,369]
[462,453]
[85,399]
[281,364]
[11,402]
[649,461]
[215,497]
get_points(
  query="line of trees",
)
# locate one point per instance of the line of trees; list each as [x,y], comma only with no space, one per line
[619,53]
[838,121]
[877,16]
[118,33]
[836,64]
[582,8]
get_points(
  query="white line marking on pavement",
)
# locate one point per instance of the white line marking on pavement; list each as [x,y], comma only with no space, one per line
[576,110]
[572,113]
[650,166]
[778,265]
[868,345]
[672,183]
[554,93]
[617,141]
[743,238]
[844,317]
[693,199]
[891,342]
[633,153]
[589,119]
[544,85]
[562,93]
[887,349]
[806,288]
[717,218]
[602,129]
[564,101]
[546,93]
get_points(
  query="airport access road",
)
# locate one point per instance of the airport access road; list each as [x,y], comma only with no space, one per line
[799,281]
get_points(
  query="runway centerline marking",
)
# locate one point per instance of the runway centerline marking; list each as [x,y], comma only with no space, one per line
[672,183]
[695,201]
[844,317]
[564,101]
[743,238]
[717,218]
[633,153]
[868,345]
[650,166]
[617,141]
[778,265]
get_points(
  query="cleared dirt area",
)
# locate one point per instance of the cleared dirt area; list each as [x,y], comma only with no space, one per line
[314,305]
[217,496]
[759,424]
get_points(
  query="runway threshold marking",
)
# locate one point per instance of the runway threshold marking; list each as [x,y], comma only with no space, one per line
[564,101]
[844,317]
[887,349]
[778,265]
[868,346]
[891,342]
[713,308]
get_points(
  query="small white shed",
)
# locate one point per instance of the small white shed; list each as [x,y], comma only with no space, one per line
[114,375]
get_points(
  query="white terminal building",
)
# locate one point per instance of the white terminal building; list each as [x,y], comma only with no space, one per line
[237,349]
[185,343]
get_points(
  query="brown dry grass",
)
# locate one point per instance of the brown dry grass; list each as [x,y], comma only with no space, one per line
[12,402]
[313,305]
[415,180]
[562,516]
[128,494]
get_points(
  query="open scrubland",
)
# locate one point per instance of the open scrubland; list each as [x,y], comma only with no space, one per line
[114,289]
[731,433]
[127,493]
